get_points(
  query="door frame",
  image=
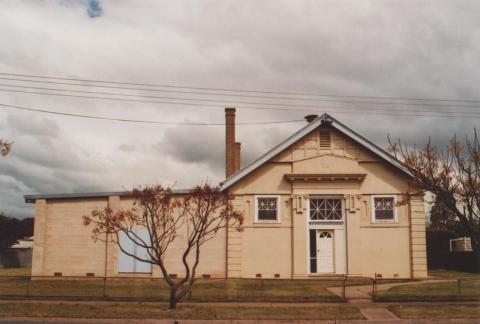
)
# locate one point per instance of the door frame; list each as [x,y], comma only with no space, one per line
[325,226]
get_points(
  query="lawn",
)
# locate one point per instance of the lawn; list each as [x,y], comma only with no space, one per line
[424,291]
[450,274]
[469,287]
[439,311]
[204,290]
[184,311]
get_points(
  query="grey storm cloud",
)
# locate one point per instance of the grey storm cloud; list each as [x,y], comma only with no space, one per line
[205,146]
[126,147]
[425,49]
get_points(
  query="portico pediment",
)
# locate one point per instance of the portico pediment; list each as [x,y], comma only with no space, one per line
[327,164]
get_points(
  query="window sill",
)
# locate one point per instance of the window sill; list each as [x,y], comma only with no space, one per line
[385,224]
[338,222]
[392,222]
[266,222]
[135,274]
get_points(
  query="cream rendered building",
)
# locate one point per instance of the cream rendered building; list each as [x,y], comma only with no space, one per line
[323,202]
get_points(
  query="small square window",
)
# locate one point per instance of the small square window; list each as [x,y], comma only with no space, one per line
[267,209]
[384,209]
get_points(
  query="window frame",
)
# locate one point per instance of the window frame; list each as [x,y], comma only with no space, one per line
[395,210]
[330,221]
[268,221]
[132,259]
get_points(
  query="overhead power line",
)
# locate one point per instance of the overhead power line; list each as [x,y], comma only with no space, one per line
[45,111]
[143,121]
[232,102]
[314,109]
[237,90]
[203,93]
[236,95]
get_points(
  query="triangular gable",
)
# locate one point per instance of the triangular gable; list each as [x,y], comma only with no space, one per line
[319,121]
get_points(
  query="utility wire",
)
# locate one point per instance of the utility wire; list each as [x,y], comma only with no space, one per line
[336,110]
[159,90]
[371,111]
[143,121]
[230,94]
[237,90]
[227,102]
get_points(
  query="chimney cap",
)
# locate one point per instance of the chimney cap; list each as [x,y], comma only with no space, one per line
[310,118]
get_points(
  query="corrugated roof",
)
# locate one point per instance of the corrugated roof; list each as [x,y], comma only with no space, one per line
[33,198]
[319,121]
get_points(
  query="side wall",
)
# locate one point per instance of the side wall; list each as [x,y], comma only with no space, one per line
[63,244]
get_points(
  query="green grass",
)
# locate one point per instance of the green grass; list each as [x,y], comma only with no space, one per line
[469,288]
[15,271]
[450,274]
[160,311]
[439,311]
[204,290]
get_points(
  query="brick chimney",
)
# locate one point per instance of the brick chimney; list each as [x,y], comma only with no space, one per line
[229,141]
[238,147]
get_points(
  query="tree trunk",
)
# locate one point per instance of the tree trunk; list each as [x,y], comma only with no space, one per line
[173,298]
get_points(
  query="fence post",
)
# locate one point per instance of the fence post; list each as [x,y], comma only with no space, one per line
[374,289]
[459,286]
[104,286]
[28,286]
[262,287]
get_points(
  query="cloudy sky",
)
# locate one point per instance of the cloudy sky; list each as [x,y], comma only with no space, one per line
[399,49]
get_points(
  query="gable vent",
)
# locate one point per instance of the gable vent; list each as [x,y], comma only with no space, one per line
[325,141]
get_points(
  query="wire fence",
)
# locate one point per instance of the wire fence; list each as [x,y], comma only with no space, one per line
[319,289]
[429,289]
[156,289]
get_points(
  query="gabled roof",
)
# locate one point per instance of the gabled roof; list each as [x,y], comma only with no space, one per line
[324,119]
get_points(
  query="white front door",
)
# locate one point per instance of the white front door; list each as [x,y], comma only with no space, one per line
[324,251]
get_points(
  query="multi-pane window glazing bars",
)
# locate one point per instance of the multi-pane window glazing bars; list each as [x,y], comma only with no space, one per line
[329,209]
[267,208]
[384,208]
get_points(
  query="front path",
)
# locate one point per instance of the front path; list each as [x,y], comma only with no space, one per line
[359,296]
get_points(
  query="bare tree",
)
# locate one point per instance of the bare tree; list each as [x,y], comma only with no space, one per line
[192,219]
[443,219]
[453,175]
[5,147]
